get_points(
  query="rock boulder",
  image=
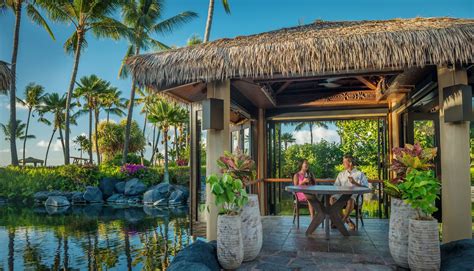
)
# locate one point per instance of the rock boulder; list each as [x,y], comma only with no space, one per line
[57,201]
[134,187]
[93,194]
[107,186]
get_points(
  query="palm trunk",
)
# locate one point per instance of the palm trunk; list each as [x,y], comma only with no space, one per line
[210,14]
[49,145]
[97,135]
[176,143]
[128,253]
[153,144]
[166,174]
[26,134]
[311,132]
[156,140]
[80,37]
[144,128]
[16,37]
[129,116]
[108,114]
[91,160]
[61,137]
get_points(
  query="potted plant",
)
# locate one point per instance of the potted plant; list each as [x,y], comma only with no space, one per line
[230,196]
[241,166]
[410,157]
[420,189]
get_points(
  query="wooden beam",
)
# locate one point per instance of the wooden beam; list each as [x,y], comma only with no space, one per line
[254,93]
[366,82]
[283,87]
[358,97]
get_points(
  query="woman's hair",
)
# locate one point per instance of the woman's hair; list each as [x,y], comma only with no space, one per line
[300,165]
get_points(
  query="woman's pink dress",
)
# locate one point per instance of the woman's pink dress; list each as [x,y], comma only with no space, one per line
[300,196]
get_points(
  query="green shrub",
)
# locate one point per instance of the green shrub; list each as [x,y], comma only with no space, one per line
[22,183]
[323,157]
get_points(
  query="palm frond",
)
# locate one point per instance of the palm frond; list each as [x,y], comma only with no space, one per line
[71,43]
[169,25]
[36,17]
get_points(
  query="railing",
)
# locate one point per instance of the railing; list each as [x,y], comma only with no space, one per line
[270,193]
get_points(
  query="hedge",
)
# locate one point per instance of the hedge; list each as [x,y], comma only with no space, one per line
[22,183]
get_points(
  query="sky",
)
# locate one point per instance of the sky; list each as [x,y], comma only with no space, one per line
[43,61]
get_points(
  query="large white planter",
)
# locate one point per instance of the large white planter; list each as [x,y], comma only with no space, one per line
[398,233]
[423,245]
[251,228]
[230,249]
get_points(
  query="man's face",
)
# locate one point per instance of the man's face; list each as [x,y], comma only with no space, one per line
[347,164]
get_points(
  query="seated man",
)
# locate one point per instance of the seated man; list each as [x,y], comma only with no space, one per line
[351,176]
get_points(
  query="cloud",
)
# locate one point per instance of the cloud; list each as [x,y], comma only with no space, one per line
[19,106]
[319,133]
[56,146]
[105,120]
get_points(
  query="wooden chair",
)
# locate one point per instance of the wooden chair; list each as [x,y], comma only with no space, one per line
[296,209]
[358,209]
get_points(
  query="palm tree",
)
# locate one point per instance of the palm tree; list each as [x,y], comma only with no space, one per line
[180,119]
[144,18]
[82,143]
[33,97]
[164,115]
[300,126]
[85,16]
[112,102]
[35,16]
[5,76]
[94,91]
[287,138]
[20,131]
[210,14]
[56,105]
[194,40]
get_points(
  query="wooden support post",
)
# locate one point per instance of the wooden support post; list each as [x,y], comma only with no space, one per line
[455,165]
[261,158]
[218,141]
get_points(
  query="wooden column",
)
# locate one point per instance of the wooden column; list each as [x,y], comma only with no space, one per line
[217,142]
[455,164]
[261,158]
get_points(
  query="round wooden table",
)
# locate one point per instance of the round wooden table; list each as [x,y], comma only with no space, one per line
[325,211]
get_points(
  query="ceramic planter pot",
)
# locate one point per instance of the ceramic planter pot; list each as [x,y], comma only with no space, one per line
[423,245]
[398,233]
[230,249]
[251,228]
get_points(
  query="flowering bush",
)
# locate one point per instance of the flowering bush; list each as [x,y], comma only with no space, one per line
[238,165]
[181,162]
[133,170]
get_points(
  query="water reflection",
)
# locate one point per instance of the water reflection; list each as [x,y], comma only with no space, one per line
[92,237]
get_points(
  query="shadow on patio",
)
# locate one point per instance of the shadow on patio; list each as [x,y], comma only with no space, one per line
[287,248]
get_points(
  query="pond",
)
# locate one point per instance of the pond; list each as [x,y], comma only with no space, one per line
[91,237]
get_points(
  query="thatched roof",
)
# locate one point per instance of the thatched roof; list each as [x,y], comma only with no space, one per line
[5,77]
[315,48]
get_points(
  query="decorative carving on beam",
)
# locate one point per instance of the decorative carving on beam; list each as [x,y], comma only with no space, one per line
[327,99]
[366,82]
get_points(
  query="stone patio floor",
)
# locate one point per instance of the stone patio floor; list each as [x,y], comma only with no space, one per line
[287,248]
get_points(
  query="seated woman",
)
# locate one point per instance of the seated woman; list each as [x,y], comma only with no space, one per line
[350,176]
[304,177]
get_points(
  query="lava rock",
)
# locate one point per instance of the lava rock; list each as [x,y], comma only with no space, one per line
[158,193]
[57,201]
[183,189]
[53,210]
[107,186]
[93,194]
[120,187]
[198,256]
[176,198]
[42,196]
[78,198]
[458,255]
[117,199]
[134,187]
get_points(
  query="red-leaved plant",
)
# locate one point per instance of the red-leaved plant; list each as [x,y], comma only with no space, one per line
[238,165]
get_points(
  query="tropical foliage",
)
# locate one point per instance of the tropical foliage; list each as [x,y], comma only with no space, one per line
[420,189]
[229,193]
[323,157]
[238,165]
